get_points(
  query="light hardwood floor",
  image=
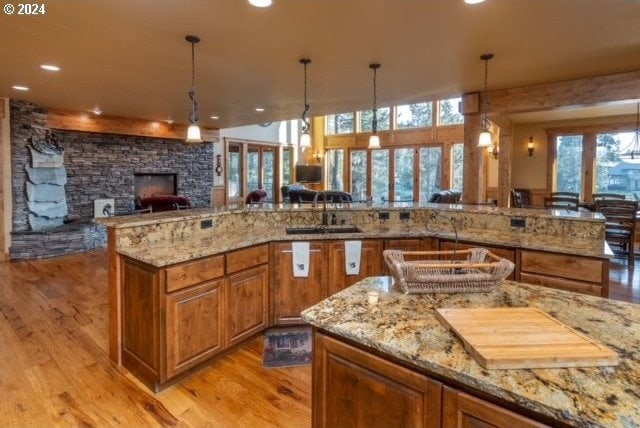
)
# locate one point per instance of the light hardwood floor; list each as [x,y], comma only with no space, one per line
[55,370]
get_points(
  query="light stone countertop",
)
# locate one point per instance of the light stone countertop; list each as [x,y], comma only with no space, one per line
[176,251]
[405,327]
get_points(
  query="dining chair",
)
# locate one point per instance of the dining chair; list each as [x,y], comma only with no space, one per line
[559,202]
[520,198]
[604,196]
[620,225]
[566,195]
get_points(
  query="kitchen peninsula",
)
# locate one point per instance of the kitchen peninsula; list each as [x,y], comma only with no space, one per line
[393,363]
[190,285]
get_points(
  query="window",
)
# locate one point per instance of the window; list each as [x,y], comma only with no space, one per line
[430,171]
[403,175]
[359,174]
[269,172]
[253,168]
[287,163]
[380,175]
[341,123]
[613,174]
[457,166]
[414,116]
[335,169]
[450,112]
[235,170]
[568,169]
[366,120]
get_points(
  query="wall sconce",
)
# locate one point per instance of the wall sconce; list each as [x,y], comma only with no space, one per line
[317,156]
[530,147]
[494,150]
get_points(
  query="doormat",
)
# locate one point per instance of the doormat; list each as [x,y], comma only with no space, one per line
[287,347]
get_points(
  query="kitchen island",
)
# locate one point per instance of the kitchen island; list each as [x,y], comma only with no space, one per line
[394,361]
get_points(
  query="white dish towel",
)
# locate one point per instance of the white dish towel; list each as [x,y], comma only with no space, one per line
[300,259]
[352,253]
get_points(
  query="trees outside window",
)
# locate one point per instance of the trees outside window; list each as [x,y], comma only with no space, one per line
[359,174]
[417,115]
[335,168]
[569,163]
[403,174]
[341,123]
[430,171]
[450,112]
[366,120]
[457,166]
[380,175]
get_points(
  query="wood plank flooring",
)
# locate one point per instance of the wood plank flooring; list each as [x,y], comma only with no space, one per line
[55,369]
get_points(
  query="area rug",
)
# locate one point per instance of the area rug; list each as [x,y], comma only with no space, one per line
[287,347]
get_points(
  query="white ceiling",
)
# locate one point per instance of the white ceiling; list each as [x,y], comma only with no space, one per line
[130,58]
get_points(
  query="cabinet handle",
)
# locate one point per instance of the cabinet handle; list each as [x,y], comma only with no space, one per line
[291,251]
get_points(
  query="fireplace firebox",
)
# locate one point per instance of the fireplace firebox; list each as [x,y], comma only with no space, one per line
[146,185]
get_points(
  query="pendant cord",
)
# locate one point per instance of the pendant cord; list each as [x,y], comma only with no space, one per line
[374,123]
[305,120]
[486,91]
[193,117]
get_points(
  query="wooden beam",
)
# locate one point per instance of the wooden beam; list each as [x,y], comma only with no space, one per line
[474,182]
[571,93]
[78,121]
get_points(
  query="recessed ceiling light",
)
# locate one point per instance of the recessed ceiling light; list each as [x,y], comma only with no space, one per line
[215,117]
[473,1]
[261,3]
[96,111]
[259,109]
[50,67]
[20,88]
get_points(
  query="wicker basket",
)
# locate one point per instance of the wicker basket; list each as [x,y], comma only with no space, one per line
[481,272]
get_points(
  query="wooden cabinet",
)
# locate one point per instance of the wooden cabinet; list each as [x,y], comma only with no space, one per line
[370,264]
[567,272]
[463,410]
[194,326]
[247,303]
[353,388]
[291,295]
[408,244]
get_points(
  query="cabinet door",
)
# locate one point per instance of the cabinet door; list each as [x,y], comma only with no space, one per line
[353,388]
[401,244]
[193,326]
[463,410]
[247,300]
[292,295]
[370,264]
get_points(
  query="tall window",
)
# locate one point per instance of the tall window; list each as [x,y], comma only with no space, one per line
[359,174]
[341,123]
[380,175]
[253,168]
[366,120]
[335,169]
[234,169]
[614,174]
[403,174]
[269,172]
[569,163]
[287,163]
[457,166]
[414,116]
[430,171]
[450,112]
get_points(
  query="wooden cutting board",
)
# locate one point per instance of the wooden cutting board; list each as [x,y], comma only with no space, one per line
[523,338]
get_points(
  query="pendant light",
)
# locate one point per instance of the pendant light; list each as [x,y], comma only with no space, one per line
[305,137]
[485,136]
[193,132]
[374,140]
[634,150]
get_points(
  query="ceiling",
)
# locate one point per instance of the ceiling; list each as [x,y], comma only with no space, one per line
[129,58]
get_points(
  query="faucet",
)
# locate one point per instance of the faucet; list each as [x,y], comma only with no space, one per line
[325,215]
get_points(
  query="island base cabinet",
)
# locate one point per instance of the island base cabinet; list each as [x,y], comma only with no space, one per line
[463,410]
[194,324]
[352,388]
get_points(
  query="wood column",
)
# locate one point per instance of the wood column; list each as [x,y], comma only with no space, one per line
[505,145]
[5,180]
[474,180]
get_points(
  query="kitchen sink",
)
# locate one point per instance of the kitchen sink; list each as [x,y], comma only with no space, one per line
[315,230]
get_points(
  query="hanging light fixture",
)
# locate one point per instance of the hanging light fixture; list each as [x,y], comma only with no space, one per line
[305,137]
[494,150]
[485,136]
[374,140]
[634,150]
[193,132]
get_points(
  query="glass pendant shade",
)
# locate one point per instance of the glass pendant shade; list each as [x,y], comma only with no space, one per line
[305,140]
[374,142]
[485,139]
[193,134]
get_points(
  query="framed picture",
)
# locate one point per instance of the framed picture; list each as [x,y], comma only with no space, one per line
[104,208]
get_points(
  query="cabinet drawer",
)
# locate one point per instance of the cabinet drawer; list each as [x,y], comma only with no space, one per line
[562,265]
[194,272]
[247,257]
[562,284]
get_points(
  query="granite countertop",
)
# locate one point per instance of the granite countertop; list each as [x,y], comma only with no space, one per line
[405,327]
[176,251]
